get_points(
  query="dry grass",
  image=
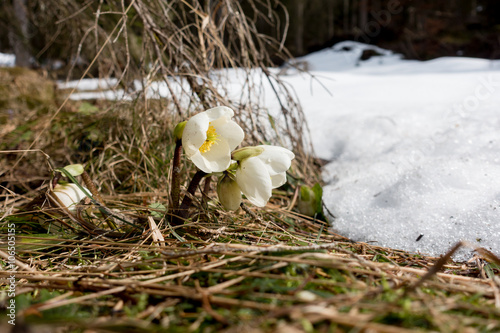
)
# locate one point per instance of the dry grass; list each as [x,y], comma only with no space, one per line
[256,270]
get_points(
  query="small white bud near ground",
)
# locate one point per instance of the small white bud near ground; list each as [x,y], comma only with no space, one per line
[69,195]
[306,296]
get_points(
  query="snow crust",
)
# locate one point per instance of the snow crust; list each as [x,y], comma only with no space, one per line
[414,149]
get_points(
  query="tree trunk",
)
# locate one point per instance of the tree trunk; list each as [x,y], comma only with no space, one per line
[18,34]
[363,14]
[354,16]
[299,32]
[331,19]
[346,17]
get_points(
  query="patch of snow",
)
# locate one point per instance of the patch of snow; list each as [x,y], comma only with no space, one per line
[346,56]
[112,95]
[89,84]
[7,60]
[414,150]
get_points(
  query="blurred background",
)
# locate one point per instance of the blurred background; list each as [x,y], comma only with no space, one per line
[417,29]
[48,33]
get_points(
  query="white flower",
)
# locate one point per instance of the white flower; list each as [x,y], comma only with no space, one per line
[209,137]
[69,194]
[257,175]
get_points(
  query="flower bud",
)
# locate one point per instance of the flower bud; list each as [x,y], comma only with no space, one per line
[74,169]
[69,194]
[307,201]
[246,152]
[310,200]
[229,193]
[179,129]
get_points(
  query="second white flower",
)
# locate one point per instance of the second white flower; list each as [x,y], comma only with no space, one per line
[260,169]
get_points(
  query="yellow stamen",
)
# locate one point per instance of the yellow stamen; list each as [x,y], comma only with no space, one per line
[212,137]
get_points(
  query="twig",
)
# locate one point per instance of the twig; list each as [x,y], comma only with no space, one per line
[18,262]
[256,249]
[435,268]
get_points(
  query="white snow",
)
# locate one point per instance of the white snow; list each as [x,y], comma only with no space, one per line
[345,56]
[7,60]
[89,84]
[414,149]
[414,146]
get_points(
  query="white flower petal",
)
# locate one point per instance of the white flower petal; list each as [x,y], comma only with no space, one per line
[277,159]
[195,133]
[232,132]
[258,175]
[69,194]
[217,159]
[254,181]
[219,111]
[209,137]
[278,180]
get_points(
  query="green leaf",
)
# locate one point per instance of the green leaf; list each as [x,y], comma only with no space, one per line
[74,169]
[318,194]
[48,241]
[305,193]
[87,109]
[157,209]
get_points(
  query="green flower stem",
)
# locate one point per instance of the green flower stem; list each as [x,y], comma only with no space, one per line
[175,193]
[188,198]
